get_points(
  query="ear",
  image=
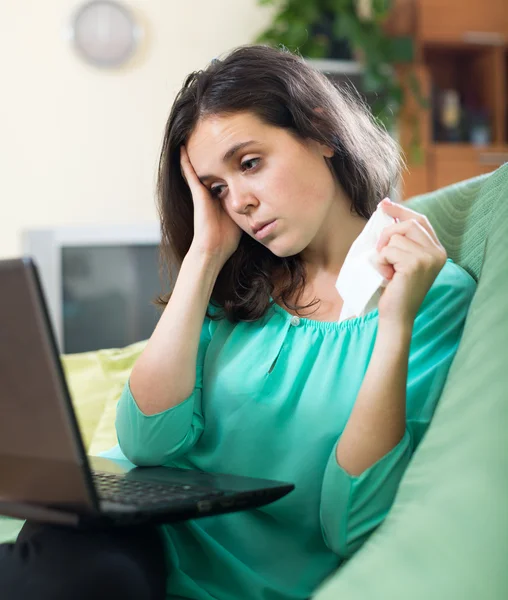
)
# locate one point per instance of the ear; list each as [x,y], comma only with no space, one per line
[325,150]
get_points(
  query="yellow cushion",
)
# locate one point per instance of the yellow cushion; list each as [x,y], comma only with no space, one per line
[96,380]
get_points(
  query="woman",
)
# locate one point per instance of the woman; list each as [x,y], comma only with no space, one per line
[267,176]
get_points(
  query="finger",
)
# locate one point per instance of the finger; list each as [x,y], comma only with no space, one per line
[188,172]
[403,213]
[404,243]
[393,256]
[428,251]
[408,256]
[387,271]
[410,229]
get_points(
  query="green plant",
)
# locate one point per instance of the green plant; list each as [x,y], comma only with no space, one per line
[298,25]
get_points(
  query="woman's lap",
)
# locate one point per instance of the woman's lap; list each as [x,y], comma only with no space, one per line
[57,563]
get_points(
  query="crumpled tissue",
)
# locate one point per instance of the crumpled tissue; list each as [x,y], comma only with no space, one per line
[360,284]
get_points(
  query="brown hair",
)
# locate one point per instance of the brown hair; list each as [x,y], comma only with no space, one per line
[282,90]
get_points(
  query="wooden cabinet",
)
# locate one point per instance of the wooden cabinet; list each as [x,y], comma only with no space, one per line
[470,21]
[476,73]
[415,181]
[449,163]
[461,61]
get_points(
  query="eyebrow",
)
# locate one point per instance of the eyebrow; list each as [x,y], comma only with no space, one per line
[228,156]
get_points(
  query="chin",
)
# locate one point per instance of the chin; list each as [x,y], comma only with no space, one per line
[281,254]
[284,250]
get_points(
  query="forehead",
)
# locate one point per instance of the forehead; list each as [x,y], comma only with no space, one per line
[220,128]
[214,135]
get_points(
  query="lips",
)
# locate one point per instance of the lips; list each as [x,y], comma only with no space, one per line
[264,229]
[258,226]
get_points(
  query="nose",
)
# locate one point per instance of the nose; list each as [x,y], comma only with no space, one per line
[242,199]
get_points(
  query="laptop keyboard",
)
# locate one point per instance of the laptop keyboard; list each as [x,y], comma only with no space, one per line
[117,488]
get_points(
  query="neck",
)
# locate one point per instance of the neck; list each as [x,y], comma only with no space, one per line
[328,250]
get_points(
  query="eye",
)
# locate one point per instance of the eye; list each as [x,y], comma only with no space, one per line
[216,191]
[246,165]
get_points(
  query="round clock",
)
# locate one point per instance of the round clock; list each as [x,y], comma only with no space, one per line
[105,33]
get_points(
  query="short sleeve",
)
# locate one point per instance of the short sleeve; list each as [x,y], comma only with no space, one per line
[353,507]
[149,440]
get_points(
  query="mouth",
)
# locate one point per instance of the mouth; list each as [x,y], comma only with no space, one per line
[264,229]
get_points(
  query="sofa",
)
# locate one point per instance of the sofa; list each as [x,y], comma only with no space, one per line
[446,536]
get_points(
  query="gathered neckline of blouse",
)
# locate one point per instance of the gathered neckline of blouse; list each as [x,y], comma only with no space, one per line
[353,323]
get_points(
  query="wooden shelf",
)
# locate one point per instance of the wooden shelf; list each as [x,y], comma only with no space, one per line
[462,47]
[448,148]
[449,163]
[474,21]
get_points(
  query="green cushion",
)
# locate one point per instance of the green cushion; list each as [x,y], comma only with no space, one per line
[446,536]
[461,216]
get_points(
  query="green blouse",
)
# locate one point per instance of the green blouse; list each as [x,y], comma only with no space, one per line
[271,400]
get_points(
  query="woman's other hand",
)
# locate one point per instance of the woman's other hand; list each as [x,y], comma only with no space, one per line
[215,233]
[411,257]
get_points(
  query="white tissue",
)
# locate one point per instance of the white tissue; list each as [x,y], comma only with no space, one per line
[360,283]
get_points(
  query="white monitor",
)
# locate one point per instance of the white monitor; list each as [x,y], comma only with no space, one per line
[99,282]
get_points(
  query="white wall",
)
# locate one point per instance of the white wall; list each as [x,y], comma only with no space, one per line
[80,145]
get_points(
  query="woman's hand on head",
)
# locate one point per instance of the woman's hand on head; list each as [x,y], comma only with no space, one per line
[215,234]
[411,256]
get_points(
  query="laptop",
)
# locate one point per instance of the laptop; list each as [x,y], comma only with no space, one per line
[45,474]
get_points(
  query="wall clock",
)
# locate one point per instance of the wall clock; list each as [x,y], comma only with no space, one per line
[105,33]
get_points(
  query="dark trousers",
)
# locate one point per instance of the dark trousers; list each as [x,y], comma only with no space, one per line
[57,563]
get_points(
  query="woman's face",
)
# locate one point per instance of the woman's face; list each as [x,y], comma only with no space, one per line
[264,176]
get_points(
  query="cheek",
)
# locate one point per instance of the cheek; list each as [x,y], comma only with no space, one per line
[234,216]
[284,188]
[229,211]
[304,193]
